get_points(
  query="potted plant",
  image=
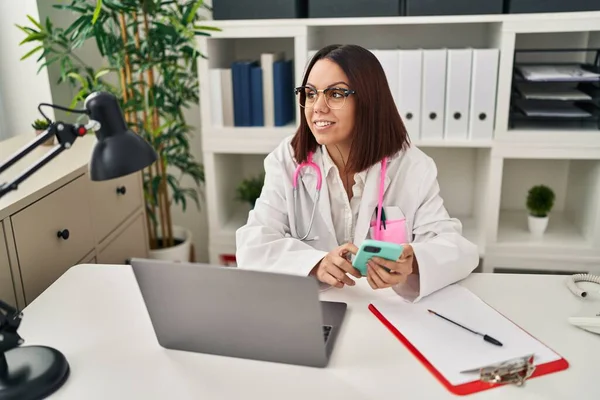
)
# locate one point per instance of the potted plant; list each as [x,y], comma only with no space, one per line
[151,53]
[40,125]
[540,200]
[249,189]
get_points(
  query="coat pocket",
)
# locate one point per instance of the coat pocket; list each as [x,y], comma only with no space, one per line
[395,226]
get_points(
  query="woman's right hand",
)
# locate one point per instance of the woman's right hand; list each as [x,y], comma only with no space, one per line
[334,268]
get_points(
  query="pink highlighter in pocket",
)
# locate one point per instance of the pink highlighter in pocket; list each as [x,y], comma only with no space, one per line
[393,231]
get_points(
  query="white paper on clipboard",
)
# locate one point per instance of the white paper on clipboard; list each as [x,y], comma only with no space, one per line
[451,349]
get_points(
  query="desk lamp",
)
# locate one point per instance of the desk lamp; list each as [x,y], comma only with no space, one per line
[35,372]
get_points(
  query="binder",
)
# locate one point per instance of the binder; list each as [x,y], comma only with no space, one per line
[483,93]
[460,360]
[433,92]
[266,63]
[458,88]
[410,65]
[216,97]
[227,96]
[389,62]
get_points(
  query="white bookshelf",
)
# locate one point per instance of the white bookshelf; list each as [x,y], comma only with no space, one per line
[483,183]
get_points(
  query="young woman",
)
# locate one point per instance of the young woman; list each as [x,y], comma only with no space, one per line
[348,174]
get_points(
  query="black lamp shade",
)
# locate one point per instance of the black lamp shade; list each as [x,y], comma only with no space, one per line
[119,151]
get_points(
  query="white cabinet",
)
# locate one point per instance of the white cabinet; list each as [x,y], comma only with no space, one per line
[59,218]
[7,290]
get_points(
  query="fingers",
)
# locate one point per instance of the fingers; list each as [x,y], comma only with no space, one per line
[403,267]
[378,283]
[346,266]
[383,278]
[339,274]
[329,279]
[348,248]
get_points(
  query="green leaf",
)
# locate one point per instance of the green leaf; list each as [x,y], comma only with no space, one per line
[97,11]
[26,29]
[79,78]
[30,52]
[191,13]
[207,28]
[33,21]
[32,37]
[101,73]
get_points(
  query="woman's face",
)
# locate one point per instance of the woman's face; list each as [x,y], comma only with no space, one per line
[330,126]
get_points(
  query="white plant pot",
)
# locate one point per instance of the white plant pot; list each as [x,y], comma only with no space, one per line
[537,225]
[180,252]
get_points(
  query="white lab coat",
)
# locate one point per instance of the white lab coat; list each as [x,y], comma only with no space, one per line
[267,240]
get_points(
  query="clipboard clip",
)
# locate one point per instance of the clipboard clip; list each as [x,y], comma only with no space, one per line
[515,371]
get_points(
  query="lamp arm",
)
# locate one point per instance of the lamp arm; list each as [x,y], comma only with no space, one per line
[66,134]
[41,138]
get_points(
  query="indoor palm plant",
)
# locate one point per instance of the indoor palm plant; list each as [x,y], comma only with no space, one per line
[540,200]
[150,50]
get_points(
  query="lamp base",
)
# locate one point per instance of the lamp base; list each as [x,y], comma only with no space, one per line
[31,372]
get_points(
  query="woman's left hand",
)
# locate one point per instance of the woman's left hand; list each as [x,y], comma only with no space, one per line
[379,278]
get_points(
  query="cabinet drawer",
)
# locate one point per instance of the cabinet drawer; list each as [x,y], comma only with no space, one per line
[44,255]
[113,201]
[7,289]
[128,244]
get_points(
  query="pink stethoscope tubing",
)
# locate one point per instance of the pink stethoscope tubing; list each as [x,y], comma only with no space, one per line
[309,163]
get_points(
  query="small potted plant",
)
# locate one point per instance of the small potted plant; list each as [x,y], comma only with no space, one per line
[40,125]
[540,200]
[249,189]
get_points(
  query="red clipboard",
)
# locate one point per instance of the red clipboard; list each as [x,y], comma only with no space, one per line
[470,387]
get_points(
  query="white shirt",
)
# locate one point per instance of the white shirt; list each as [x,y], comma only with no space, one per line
[343,212]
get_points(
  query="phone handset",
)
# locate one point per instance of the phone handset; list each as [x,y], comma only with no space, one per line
[576,290]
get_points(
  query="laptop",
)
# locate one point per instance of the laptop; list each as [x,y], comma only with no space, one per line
[240,313]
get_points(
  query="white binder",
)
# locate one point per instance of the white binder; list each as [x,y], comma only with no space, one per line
[266,63]
[389,62]
[216,97]
[410,67]
[483,93]
[458,88]
[434,90]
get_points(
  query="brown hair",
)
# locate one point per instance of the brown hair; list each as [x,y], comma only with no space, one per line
[378,130]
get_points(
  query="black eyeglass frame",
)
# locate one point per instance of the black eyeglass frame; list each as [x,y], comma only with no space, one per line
[301,90]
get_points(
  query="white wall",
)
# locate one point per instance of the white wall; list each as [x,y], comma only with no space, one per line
[22,89]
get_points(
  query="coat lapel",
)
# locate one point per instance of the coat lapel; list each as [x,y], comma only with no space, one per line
[309,178]
[369,201]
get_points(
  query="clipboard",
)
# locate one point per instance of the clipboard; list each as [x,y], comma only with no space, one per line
[512,370]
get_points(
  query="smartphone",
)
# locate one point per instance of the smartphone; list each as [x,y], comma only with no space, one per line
[375,248]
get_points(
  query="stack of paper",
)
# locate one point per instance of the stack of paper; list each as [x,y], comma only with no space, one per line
[557,73]
[453,350]
[551,92]
[536,108]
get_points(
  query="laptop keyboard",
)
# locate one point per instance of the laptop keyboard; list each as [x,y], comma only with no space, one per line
[326,332]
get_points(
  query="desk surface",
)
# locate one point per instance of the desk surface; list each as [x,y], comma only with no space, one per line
[95,315]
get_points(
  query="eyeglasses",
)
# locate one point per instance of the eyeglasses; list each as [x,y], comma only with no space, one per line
[335,98]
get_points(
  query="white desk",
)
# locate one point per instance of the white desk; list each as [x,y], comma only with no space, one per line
[94,314]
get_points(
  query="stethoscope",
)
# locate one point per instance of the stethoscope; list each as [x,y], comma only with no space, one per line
[311,164]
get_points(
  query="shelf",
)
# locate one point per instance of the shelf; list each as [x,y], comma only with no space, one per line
[408,20]
[453,143]
[561,233]
[560,139]
[245,140]
[227,234]
[473,234]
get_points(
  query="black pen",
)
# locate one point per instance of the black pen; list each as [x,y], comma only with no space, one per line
[487,338]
